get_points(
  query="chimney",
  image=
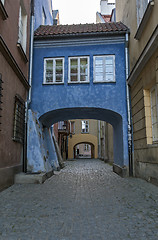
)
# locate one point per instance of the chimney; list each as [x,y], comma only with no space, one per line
[106,6]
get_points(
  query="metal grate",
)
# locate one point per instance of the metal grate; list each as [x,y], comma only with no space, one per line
[1,97]
[19,119]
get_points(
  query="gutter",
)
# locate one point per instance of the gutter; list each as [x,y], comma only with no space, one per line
[128,108]
[30,83]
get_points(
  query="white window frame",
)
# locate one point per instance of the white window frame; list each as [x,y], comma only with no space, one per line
[22,37]
[86,122]
[54,68]
[154,89]
[88,75]
[104,69]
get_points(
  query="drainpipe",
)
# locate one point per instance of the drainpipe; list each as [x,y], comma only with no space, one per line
[128,108]
[99,149]
[30,83]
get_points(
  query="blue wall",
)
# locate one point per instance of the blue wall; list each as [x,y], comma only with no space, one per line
[39,6]
[105,101]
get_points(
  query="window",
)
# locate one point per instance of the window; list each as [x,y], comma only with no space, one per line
[85,126]
[86,147]
[72,127]
[0,94]
[78,69]
[104,68]
[141,7]
[19,119]
[22,28]
[2,1]
[54,70]
[154,113]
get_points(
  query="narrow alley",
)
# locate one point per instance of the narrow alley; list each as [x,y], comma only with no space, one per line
[84,201]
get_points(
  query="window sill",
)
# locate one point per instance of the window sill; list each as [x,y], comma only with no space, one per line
[3,11]
[21,50]
[153,144]
[104,81]
[145,18]
[54,83]
[78,82]
[84,132]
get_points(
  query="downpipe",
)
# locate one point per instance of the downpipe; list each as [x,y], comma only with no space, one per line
[128,109]
[30,83]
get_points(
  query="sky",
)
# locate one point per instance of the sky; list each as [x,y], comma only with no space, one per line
[77,11]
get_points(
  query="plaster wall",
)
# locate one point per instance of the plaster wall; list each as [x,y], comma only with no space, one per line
[100,101]
[10,152]
[129,18]
[40,6]
[9,30]
[145,150]
[89,137]
[82,138]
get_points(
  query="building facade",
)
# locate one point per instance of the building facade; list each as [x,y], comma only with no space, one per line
[143,82]
[18,19]
[80,73]
[14,86]
[83,138]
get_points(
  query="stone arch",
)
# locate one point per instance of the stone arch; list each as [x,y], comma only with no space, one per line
[115,119]
[86,139]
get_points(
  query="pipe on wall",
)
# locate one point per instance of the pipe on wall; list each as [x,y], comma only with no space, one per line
[128,107]
[30,83]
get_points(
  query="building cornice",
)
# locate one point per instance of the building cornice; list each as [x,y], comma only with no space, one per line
[78,41]
[12,62]
[148,51]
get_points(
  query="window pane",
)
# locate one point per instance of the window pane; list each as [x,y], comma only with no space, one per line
[74,70]
[59,63]
[153,98]
[83,61]
[155,131]
[99,69]
[109,77]
[109,60]
[59,78]
[99,61]
[109,69]
[74,62]
[99,78]
[83,78]
[74,78]
[49,71]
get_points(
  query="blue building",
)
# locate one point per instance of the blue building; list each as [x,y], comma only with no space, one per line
[43,13]
[79,73]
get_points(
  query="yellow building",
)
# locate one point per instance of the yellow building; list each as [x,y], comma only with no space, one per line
[85,132]
[141,18]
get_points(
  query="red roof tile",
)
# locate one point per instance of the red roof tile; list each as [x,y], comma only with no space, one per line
[62,30]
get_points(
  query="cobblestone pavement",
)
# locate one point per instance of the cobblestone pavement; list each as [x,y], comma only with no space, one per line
[84,201]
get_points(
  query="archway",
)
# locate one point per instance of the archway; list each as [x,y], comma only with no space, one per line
[115,119]
[84,150]
[119,125]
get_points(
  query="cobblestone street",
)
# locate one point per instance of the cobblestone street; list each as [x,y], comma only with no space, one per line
[84,201]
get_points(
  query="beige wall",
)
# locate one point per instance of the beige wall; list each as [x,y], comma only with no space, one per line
[126,12]
[145,150]
[79,137]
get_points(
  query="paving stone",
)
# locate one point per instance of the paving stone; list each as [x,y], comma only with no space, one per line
[84,201]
